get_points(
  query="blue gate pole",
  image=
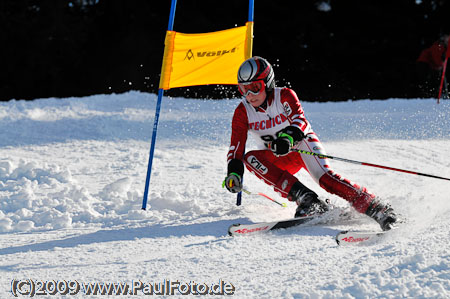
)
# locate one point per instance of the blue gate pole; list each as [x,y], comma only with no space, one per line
[251,7]
[155,123]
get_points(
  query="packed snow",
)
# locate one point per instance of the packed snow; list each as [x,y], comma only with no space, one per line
[72,175]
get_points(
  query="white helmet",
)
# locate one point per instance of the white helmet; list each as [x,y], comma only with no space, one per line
[256,69]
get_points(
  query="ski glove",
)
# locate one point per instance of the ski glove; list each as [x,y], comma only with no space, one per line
[233,183]
[281,146]
[286,139]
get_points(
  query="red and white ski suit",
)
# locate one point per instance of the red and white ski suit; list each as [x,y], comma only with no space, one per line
[284,109]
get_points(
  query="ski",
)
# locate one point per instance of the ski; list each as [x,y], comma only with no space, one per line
[359,237]
[261,227]
[349,237]
[332,215]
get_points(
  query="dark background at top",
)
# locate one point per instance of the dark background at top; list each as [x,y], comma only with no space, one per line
[359,49]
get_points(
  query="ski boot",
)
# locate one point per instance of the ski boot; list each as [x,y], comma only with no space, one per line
[382,213]
[307,200]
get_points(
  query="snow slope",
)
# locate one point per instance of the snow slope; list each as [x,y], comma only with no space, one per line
[72,175]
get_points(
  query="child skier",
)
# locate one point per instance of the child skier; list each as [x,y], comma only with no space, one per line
[275,117]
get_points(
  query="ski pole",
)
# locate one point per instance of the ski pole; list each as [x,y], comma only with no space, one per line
[442,79]
[263,195]
[320,156]
[447,55]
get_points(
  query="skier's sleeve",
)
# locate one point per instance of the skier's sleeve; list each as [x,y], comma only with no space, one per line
[239,129]
[294,110]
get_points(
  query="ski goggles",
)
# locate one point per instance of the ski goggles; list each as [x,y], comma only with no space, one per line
[253,88]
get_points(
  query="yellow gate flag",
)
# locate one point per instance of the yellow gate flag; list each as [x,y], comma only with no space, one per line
[205,58]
